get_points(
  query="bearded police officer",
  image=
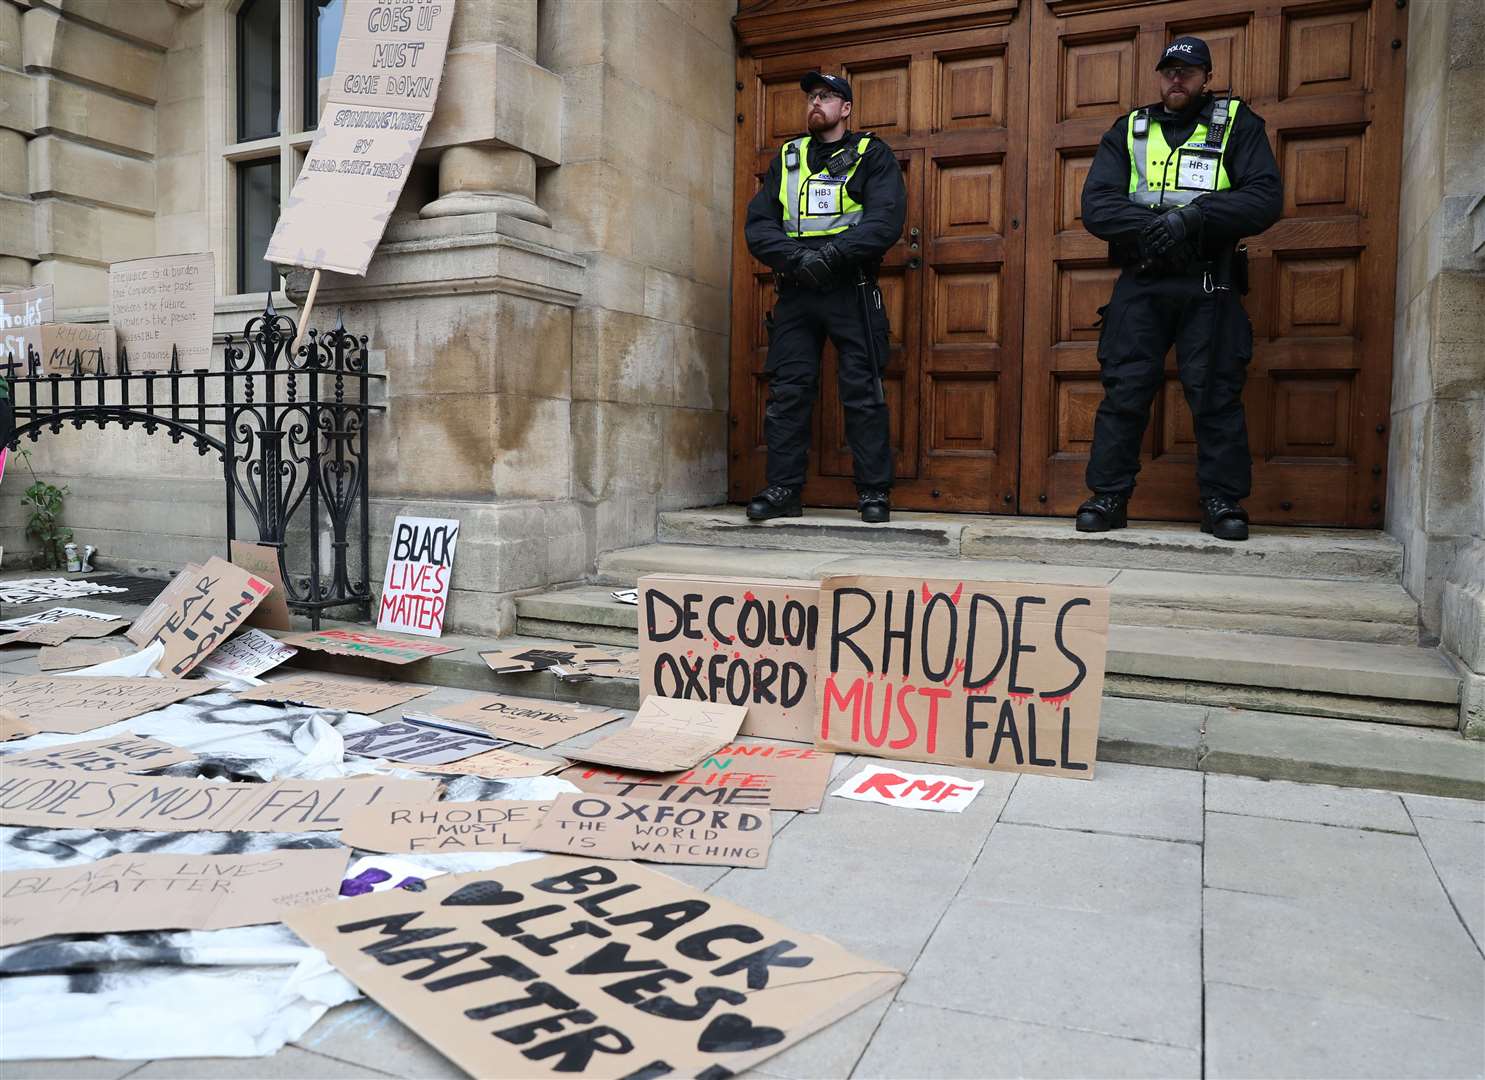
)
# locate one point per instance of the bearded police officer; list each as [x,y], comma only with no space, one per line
[831,205]
[1173,188]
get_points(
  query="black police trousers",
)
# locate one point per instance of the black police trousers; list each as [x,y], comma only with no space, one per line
[798,326]
[1214,342]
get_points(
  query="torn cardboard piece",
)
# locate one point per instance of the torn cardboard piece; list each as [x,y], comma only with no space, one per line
[528,721]
[419,744]
[125,893]
[246,655]
[615,827]
[369,645]
[61,799]
[989,674]
[565,659]
[215,604]
[737,640]
[441,828]
[148,622]
[64,630]
[73,704]
[765,985]
[420,564]
[916,791]
[341,694]
[499,765]
[78,654]
[13,727]
[756,774]
[123,753]
[667,735]
[261,560]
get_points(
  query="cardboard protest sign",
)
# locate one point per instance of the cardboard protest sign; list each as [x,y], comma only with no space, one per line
[214,605]
[22,313]
[68,798]
[92,347]
[739,774]
[385,648]
[420,562]
[735,640]
[122,753]
[761,986]
[667,735]
[77,654]
[142,630]
[261,560]
[529,721]
[567,658]
[63,630]
[13,727]
[161,302]
[388,67]
[916,791]
[341,694]
[247,654]
[625,667]
[651,830]
[419,744]
[73,704]
[499,765]
[987,674]
[402,828]
[51,615]
[123,893]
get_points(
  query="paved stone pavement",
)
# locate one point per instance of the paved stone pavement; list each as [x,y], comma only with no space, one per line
[1153,922]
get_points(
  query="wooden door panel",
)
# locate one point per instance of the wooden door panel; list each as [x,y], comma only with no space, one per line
[953,285]
[1329,86]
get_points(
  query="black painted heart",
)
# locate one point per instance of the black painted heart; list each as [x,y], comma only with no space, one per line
[482,894]
[732,1033]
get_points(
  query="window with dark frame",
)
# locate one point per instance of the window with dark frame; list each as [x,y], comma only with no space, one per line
[257,213]
[258,77]
[322,22]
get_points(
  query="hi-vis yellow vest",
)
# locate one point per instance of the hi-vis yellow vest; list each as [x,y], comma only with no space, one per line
[818,204]
[1162,176]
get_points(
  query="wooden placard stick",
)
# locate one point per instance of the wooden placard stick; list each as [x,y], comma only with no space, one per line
[309,305]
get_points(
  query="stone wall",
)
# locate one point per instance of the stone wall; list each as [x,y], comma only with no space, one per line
[1436,491]
[645,190]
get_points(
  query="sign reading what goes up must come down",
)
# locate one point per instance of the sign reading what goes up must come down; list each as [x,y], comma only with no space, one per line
[990,675]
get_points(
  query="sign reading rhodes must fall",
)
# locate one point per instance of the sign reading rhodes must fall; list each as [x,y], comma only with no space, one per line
[987,674]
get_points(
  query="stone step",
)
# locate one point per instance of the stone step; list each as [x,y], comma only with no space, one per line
[1370,611]
[1207,736]
[1324,554]
[1390,684]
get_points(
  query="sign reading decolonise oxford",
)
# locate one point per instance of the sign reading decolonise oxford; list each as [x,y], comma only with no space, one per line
[387,71]
[987,674]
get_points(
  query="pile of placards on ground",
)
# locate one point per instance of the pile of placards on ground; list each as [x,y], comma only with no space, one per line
[228,857]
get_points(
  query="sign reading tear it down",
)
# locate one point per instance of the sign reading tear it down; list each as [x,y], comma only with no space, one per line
[992,675]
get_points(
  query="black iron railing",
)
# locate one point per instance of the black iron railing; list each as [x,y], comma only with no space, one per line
[290,430]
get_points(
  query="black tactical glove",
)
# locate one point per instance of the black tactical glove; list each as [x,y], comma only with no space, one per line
[821,267]
[1168,231]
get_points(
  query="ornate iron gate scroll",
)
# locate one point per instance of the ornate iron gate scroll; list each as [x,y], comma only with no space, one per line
[289,430]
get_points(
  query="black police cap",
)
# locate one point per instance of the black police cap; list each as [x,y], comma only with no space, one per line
[1186,50]
[828,82]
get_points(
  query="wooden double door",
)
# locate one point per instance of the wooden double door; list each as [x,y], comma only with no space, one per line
[994,109]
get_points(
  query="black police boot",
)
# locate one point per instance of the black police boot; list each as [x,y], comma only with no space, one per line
[778,500]
[1105,511]
[1223,518]
[874,504]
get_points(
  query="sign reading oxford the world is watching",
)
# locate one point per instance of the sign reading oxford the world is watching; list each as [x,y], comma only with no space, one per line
[388,67]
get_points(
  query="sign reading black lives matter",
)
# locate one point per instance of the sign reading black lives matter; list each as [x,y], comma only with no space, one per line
[986,674]
[388,67]
[569,967]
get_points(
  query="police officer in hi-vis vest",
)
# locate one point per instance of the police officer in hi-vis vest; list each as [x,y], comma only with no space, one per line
[831,205]
[1173,188]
